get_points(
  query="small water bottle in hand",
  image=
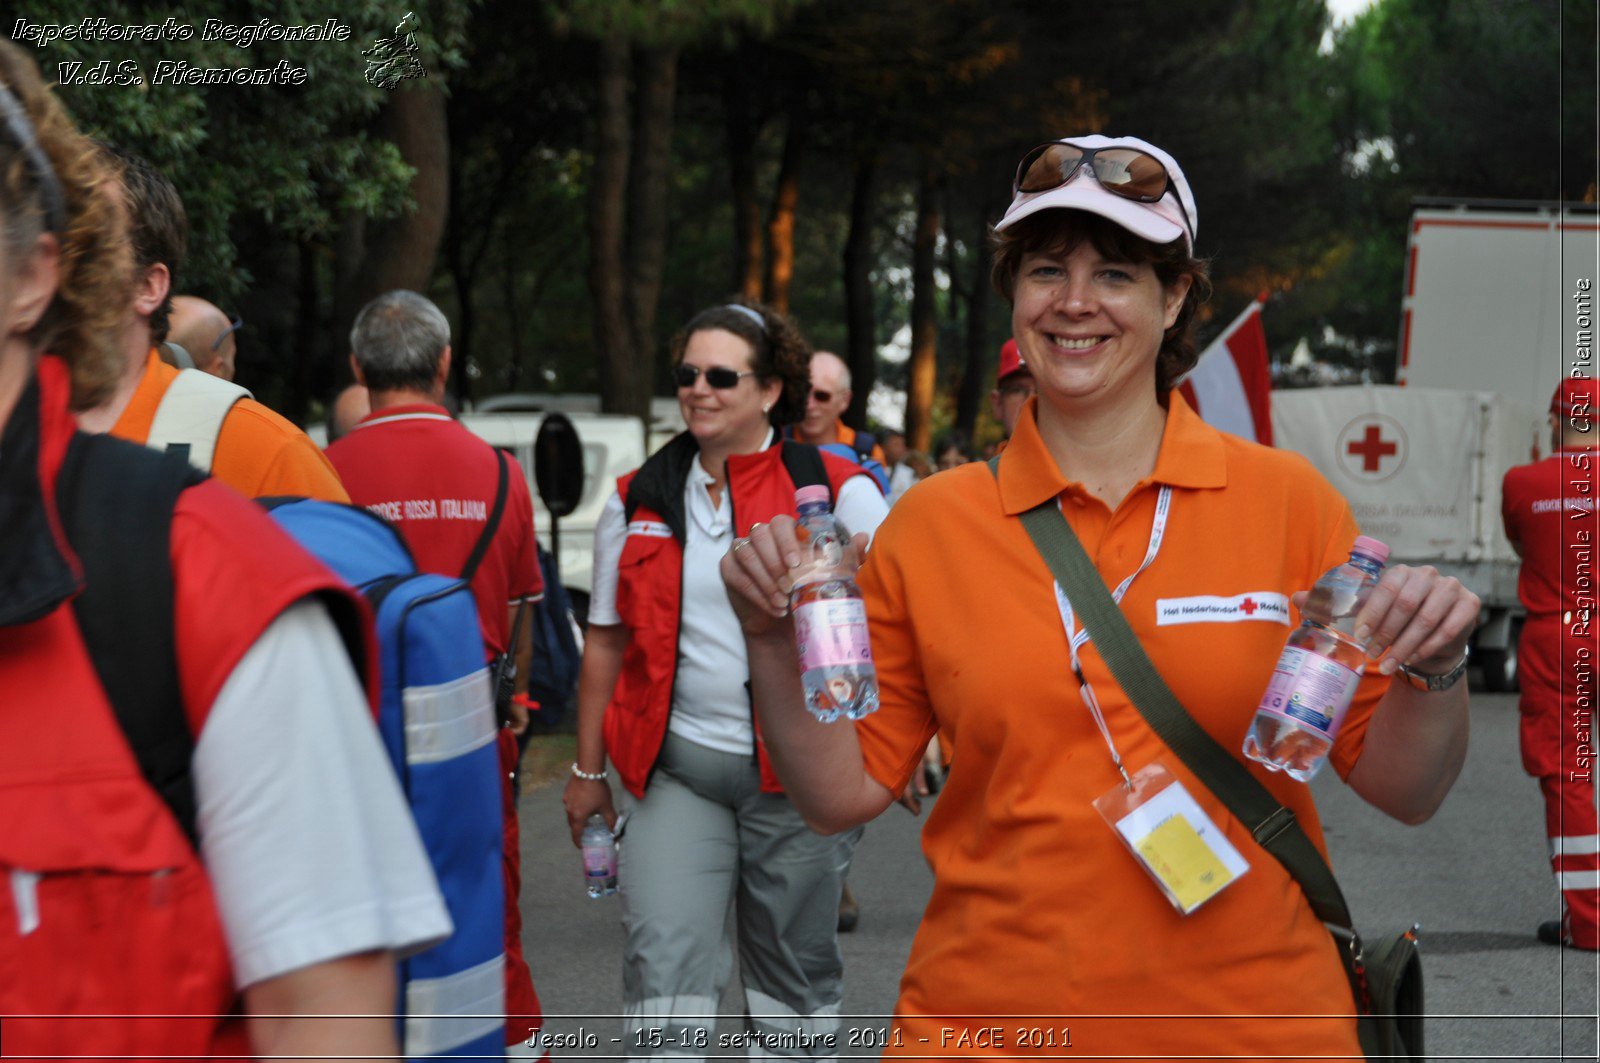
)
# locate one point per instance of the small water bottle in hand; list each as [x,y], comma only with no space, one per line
[1316,677]
[830,620]
[599,858]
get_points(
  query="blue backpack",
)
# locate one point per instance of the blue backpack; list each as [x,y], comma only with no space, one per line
[437,720]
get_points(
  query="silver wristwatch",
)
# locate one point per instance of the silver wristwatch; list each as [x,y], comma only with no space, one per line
[1433,683]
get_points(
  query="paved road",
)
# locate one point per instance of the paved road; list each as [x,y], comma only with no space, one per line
[1476,878]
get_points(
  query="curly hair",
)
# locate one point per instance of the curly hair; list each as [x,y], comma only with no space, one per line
[1061,231]
[94,268]
[778,350]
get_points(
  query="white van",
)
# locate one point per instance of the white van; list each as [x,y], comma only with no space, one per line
[613,444]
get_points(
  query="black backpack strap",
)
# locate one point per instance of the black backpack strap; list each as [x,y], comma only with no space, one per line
[864,442]
[806,467]
[482,546]
[116,501]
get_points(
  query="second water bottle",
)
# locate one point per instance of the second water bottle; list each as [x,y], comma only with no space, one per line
[1317,674]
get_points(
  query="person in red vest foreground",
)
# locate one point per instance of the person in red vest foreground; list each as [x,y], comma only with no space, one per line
[1039,907]
[663,693]
[414,465]
[1013,387]
[227,913]
[1549,513]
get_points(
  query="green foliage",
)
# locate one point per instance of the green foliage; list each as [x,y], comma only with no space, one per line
[289,159]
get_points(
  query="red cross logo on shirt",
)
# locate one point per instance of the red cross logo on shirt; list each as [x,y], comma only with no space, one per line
[1371,448]
[1248,607]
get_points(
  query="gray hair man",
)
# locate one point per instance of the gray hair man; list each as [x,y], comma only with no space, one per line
[444,489]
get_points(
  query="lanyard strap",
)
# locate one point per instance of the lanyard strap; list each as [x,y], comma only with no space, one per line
[1076,638]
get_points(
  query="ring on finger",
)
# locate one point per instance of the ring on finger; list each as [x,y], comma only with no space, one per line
[757,524]
[739,544]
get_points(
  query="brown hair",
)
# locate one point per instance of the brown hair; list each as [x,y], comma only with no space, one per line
[157,226]
[780,352]
[1060,231]
[82,322]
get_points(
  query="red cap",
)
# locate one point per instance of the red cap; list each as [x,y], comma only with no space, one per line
[1010,361]
[1577,396]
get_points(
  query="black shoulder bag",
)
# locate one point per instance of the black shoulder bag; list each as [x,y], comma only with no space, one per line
[503,669]
[1385,976]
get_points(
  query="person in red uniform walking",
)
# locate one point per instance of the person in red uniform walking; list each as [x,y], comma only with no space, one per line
[1549,513]
[413,464]
[227,909]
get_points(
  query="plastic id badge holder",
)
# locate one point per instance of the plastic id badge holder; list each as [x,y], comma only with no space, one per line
[1171,836]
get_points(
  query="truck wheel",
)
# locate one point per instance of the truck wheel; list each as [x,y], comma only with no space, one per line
[1499,666]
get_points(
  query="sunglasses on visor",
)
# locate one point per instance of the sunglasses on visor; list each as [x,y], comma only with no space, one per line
[1126,172]
[720,377]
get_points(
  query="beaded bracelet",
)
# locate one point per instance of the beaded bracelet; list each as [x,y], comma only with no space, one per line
[597,776]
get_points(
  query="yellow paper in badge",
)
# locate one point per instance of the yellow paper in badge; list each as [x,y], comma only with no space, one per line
[1188,867]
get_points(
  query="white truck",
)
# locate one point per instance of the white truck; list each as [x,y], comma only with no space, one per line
[1489,325]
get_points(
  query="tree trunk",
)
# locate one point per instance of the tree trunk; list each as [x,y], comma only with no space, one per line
[969,399]
[619,374]
[400,252]
[461,275]
[738,109]
[861,339]
[924,319]
[307,323]
[780,223]
[649,181]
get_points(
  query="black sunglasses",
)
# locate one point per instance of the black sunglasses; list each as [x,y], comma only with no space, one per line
[1126,172]
[234,326]
[720,377]
[821,396]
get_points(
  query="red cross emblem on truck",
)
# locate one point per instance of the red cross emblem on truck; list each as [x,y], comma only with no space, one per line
[1372,448]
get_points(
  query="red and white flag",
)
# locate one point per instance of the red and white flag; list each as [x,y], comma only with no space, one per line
[1230,386]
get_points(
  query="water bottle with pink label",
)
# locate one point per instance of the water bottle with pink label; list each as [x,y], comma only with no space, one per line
[830,621]
[1317,675]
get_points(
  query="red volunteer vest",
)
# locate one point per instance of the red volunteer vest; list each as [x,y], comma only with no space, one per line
[650,597]
[107,909]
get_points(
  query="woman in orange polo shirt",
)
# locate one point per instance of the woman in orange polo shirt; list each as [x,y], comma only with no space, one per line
[1038,908]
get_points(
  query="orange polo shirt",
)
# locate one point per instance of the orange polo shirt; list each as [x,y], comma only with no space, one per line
[1037,907]
[259,453]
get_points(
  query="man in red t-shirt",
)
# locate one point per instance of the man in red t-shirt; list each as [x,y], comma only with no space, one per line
[1550,517]
[411,463]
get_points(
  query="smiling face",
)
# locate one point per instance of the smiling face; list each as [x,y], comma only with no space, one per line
[1090,327]
[730,419]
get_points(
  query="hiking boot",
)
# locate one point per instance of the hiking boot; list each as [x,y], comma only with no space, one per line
[849,910]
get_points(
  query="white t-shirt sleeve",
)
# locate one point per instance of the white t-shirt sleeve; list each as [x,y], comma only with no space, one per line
[310,847]
[610,531]
[861,506]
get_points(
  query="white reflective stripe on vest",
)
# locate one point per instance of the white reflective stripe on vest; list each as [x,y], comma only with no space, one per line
[445,1013]
[1575,845]
[1578,880]
[191,414]
[449,719]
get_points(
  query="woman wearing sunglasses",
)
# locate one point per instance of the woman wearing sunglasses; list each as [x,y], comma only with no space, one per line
[663,693]
[1040,906]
